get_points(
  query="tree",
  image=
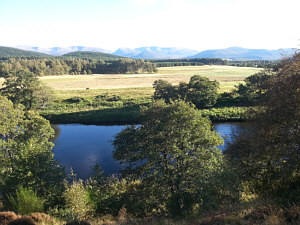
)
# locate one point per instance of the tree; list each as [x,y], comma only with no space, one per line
[267,155]
[21,87]
[165,90]
[172,152]
[254,88]
[26,157]
[202,92]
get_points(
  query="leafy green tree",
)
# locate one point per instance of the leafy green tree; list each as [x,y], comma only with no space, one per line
[267,155]
[165,90]
[254,87]
[202,92]
[26,157]
[172,151]
[21,87]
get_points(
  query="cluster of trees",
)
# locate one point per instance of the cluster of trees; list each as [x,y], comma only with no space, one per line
[23,87]
[254,63]
[200,91]
[188,62]
[267,154]
[55,66]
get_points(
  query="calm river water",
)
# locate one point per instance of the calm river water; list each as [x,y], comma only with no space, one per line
[82,146]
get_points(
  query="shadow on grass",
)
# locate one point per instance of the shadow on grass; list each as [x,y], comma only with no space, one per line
[111,116]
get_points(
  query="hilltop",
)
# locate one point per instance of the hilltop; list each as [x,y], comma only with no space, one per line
[8,52]
[91,55]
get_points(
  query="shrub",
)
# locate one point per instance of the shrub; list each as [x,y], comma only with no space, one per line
[78,203]
[77,222]
[26,201]
[42,218]
[23,221]
[6,217]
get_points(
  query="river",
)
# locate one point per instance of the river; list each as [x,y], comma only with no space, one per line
[82,146]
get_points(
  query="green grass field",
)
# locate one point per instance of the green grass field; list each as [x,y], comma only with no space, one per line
[115,98]
[141,84]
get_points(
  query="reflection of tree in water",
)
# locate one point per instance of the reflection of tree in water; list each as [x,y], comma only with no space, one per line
[57,131]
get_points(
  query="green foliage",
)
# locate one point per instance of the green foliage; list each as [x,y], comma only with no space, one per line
[188,62]
[254,88]
[26,201]
[91,55]
[73,66]
[26,157]
[171,151]
[200,91]
[25,88]
[78,204]
[7,52]
[267,155]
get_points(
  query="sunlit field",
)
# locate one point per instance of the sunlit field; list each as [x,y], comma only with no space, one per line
[140,85]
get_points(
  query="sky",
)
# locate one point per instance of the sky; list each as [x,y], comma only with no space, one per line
[111,24]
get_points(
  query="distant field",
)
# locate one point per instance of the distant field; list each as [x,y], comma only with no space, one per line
[89,85]
[228,75]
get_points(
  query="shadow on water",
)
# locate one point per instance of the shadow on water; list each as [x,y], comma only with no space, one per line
[82,146]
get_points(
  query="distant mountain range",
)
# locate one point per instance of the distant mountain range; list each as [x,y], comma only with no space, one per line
[58,51]
[153,52]
[238,53]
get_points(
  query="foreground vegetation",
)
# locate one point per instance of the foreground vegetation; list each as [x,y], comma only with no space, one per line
[174,173]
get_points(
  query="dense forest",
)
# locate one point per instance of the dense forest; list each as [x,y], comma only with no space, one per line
[60,66]
[91,55]
[7,53]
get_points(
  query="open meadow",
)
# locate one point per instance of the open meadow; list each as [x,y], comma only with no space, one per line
[227,75]
[116,98]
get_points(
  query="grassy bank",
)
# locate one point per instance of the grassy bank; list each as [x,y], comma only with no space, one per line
[116,98]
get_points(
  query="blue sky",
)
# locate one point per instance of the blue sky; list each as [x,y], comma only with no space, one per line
[110,24]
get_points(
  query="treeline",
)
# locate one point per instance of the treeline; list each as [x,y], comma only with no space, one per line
[8,53]
[254,63]
[188,62]
[55,66]
[91,55]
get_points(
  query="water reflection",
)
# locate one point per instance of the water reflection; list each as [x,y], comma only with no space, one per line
[82,146]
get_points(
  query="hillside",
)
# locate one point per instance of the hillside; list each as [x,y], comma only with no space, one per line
[91,55]
[8,52]
[58,51]
[238,53]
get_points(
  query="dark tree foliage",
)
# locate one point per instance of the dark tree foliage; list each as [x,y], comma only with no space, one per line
[267,155]
[60,66]
[188,62]
[254,87]
[25,88]
[174,153]
[200,91]
[91,55]
[26,157]
[8,52]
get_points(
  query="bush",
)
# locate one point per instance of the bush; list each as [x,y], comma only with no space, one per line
[78,203]
[6,217]
[26,201]
[42,218]
[78,222]
[23,221]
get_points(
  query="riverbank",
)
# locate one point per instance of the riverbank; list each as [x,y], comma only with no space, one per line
[131,115]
